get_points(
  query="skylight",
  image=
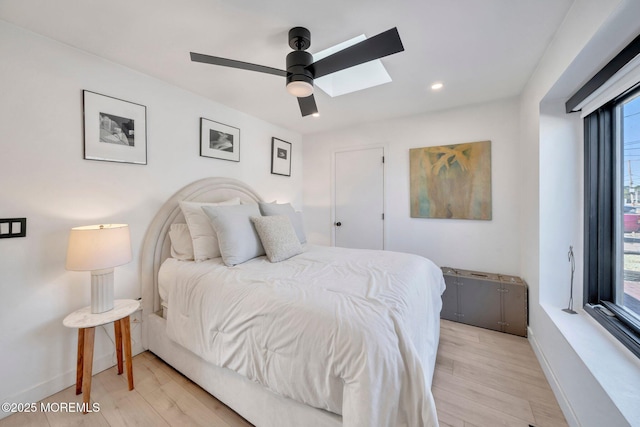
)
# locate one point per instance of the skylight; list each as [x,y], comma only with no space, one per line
[352,79]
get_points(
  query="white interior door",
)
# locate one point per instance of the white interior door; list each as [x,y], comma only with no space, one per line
[359,198]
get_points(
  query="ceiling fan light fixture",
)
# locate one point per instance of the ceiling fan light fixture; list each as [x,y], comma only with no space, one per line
[300,89]
[299,78]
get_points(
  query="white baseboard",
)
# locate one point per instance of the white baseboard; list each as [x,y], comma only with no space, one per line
[565,406]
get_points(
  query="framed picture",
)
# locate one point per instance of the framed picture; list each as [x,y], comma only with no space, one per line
[280,157]
[219,141]
[451,181]
[114,130]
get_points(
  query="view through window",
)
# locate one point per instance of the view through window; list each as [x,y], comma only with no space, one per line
[628,290]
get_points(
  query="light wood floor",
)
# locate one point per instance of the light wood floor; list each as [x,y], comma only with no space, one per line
[482,378]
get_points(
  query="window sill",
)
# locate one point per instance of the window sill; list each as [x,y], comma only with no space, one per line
[612,365]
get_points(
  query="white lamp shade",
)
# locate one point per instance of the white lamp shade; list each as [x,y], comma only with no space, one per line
[98,247]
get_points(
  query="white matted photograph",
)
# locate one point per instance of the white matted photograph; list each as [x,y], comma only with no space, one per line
[280,157]
[114,130]
[219,141]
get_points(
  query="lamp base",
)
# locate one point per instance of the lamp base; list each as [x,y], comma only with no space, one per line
[101,290]
[568,310]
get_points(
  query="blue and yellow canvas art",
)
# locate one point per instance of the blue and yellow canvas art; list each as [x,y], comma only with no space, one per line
[451,181]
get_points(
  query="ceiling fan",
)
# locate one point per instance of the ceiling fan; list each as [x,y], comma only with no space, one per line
[301,70]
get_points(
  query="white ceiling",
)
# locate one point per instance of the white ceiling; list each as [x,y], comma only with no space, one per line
[481,49]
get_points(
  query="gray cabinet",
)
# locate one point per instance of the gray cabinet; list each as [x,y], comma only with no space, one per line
[491,301]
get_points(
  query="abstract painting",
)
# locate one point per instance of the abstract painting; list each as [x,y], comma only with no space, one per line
[451,181]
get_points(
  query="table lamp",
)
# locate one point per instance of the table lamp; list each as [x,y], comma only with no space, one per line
[99,248]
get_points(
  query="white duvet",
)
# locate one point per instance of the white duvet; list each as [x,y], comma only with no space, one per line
[354,332]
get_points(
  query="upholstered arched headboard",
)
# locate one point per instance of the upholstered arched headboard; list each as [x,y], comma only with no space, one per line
[157,246]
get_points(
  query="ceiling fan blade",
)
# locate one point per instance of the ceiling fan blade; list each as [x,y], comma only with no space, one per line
[215,60]
[307,105]
[376,47]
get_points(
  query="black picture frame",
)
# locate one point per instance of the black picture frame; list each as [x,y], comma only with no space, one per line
[115,130]
[280,157]
[219,141]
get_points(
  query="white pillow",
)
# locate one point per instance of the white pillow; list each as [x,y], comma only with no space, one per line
[181,245]
[278,237]
[203,237]
[269,209]
[237,236]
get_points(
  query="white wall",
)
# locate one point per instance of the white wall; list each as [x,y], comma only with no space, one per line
[591,373]
[44,178]
[478,245]
[561,201]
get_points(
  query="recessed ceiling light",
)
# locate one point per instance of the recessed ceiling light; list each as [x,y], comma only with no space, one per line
[437,86]
[316,114]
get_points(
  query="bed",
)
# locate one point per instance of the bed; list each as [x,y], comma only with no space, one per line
[329,337]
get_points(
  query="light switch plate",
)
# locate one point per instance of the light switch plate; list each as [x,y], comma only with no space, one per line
[13,227]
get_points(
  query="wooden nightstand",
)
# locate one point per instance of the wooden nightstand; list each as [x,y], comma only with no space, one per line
[86,322]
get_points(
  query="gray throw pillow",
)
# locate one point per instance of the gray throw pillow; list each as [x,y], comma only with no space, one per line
[269,209]
[237,236]
[278,237]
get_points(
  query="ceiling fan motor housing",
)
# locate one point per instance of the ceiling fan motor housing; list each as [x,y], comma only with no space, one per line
[296,63]
[299,59]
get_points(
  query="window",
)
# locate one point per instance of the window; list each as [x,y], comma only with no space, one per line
[612,217]
[628,123]
[610,105]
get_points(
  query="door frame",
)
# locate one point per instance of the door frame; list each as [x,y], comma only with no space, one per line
[385,150]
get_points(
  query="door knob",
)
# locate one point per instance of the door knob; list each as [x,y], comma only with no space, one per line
[338,224]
